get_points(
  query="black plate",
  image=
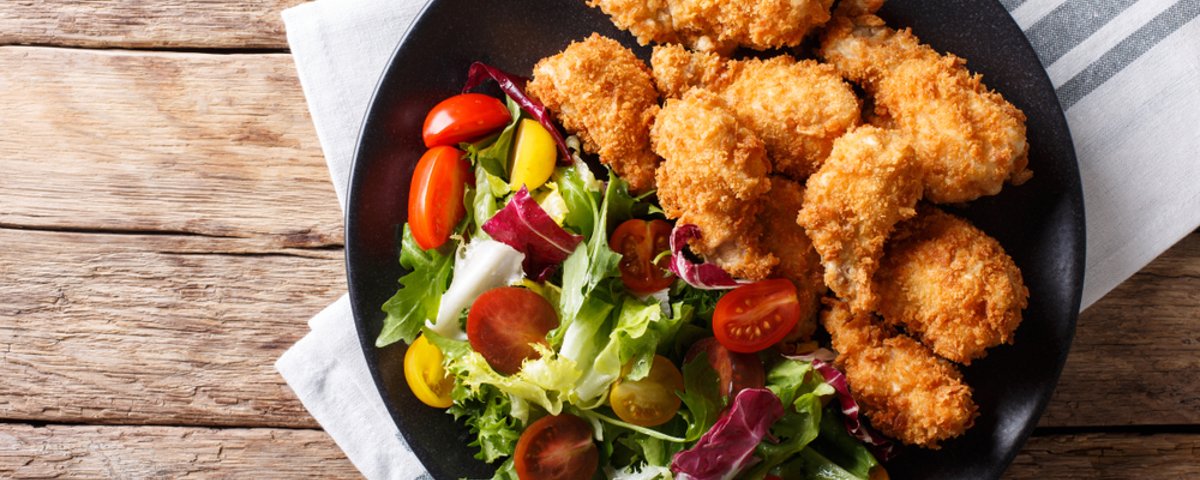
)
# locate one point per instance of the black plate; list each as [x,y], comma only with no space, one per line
[1040,223]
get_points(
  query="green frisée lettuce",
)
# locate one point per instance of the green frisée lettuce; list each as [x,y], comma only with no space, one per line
[420,293]
[544,381]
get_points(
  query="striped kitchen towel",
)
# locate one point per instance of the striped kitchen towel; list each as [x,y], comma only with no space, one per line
[1126,72]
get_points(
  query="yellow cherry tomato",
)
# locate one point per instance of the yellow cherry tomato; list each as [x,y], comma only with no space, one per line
[650,401]
[534,155]
[425,375]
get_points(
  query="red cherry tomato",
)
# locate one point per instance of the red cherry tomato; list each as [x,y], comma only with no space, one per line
[557,448]
[638,242]
[435,199]
[755,316]
[464,117]
[735,371]
[504,321]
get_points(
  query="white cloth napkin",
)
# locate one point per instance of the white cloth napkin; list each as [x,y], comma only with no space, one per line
[1126,72]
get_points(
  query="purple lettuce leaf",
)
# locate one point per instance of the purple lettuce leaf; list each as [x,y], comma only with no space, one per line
[513,86]
[705,276]
[728,447]
[524,226]
[876,442]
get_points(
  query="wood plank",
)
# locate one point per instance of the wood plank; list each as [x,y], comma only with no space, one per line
[1108,456]
[57,451]
[1136,355]
[145,23]
[154,329]
[217,145]
[172,452]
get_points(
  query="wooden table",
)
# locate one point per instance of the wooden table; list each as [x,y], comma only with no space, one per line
[168,227]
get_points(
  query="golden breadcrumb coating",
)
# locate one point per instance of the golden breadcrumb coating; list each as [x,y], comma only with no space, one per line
[950,285]
[798,260]
[714,174]
[908,392]
[602,92]
[718,26]
[968,138]
[797,107]
[870,182]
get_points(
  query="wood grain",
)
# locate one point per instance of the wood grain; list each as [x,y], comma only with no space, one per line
[218,145]
[57,451]
[145,23]
[1136,355]
[154,329]
[1108,456]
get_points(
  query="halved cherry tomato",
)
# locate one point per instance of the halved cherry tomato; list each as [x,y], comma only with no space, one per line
[435,199]
[651,400]
[504,322]
[425,375]
[755,316]
[464,117]
[735,371]
[556,448]
[638,242]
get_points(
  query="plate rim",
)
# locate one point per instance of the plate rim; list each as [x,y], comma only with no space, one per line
[1075,274]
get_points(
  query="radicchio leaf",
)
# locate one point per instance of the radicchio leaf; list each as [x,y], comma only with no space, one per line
[879,445]
[524,226]
[512,85]
[728,447]
[705,276]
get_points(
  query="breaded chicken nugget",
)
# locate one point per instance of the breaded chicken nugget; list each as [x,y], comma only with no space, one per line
[950,285]
[870,182]
[798,260]
[602,92]
[714,175]
[968,138]
[908,392]
[718,26]
[797,107]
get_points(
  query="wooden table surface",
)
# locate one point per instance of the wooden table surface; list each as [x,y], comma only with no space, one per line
[168,227]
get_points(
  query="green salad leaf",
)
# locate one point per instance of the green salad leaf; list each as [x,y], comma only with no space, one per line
[493,157]
[420,293]
[800,388]
[839,447]
[701,396]
[488,198]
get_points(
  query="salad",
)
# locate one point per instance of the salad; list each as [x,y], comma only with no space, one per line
[563,320]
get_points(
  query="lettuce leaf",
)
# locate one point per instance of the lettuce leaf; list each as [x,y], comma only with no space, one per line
[493,158]
[545,381]
[836,445]
[420,292]
[701,396]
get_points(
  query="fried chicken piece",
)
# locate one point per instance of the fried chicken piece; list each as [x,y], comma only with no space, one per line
[718,26]
[797,107]
[714,175]
[908,392]
[798,260]
[951,286]
[968,138]
[602,92]
[871,182]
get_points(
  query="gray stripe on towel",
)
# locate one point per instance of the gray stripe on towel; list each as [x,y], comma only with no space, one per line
[1128,50]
